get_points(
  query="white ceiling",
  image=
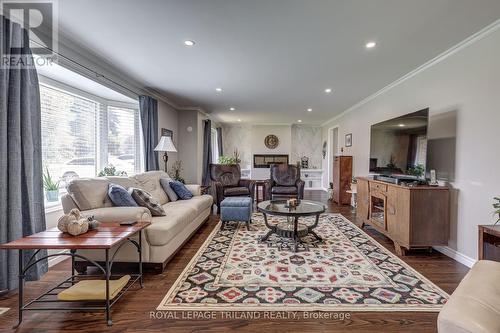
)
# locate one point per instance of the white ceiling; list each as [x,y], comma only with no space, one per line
[273,58]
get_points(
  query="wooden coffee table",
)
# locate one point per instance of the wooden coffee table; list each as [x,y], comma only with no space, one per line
[104,238]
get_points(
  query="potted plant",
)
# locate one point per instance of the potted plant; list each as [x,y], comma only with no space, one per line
[417,170]
[110,170]
[227,160]
[354,184]
[175,172]
[496,205]
[50,186]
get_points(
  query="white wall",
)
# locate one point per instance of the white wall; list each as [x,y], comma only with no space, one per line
[295,141]
[462,92]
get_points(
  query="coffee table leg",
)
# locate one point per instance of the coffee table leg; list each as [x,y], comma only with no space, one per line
[21,288]
[311,231]
[108,314]
[270,232]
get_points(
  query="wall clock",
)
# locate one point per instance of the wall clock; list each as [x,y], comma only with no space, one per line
[271,141]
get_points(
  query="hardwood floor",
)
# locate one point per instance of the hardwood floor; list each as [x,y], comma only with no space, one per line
[132,313]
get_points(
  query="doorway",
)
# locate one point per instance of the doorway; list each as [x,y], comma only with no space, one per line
[333,140]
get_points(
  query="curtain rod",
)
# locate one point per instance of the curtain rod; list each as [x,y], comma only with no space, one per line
[96,74]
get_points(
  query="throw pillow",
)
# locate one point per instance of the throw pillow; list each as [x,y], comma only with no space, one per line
[120,197]
[181,190]
[165,184]
[144,199]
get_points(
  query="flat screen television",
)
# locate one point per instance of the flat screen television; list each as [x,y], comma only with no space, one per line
[399,146]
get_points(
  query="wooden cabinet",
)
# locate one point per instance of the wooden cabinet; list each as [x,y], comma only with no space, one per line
[342,176]
[412,217]
[362,207]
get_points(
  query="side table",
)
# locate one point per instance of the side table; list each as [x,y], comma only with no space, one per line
[104,238]
[489,242]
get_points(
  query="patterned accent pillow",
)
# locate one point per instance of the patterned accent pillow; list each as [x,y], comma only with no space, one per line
[144,199]
[181,190]
[120,197]
[165,184]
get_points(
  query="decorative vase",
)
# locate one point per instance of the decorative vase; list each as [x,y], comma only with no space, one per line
[330,194]
[52,196]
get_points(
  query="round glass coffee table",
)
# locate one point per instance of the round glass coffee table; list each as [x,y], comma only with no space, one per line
[291,228]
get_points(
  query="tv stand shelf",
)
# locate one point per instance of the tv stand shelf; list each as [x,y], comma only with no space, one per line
[412,217]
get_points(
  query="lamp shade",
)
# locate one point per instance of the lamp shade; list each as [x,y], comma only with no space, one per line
[166,144]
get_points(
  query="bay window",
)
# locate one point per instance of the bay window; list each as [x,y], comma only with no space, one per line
[83,133]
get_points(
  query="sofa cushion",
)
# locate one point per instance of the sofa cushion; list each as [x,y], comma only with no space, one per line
[284,190]
[172,196]
[235,191]
[120,196]
[145,199]
[180,189]
[90,193]
[150,182]
[178,215]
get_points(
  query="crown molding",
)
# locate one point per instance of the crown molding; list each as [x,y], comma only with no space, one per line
[489,29]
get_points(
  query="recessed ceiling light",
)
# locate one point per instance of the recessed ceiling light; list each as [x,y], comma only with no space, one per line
[232,109]
[218,89]
[370,45]
[401,125]
[328,90]
[189,42]
[309,110]
[239,120]
[299,121]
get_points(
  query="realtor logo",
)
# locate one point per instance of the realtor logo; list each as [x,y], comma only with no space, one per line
[38,18]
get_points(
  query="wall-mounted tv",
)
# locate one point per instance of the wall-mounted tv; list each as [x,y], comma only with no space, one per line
[399,146]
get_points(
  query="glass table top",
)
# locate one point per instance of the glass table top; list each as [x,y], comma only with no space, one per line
[279,207]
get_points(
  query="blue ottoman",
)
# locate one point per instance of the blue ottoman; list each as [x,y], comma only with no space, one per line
[236,209]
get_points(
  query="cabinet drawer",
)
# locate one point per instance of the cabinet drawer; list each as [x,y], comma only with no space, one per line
[378,187]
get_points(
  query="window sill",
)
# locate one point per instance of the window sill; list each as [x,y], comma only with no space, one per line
[53,207]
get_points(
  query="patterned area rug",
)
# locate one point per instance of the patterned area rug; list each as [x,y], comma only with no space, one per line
[348,271]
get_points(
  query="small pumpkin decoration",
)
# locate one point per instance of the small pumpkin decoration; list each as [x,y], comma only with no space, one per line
[76,224]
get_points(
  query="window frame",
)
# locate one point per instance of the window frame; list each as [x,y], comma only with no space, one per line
[101,149]
[101,121]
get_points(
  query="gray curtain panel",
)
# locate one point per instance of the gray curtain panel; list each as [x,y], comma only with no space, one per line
[219,141]
[149,122]
[207,152]
[21,192]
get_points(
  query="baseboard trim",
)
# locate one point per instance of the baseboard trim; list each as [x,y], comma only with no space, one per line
[55,260]
[454,254]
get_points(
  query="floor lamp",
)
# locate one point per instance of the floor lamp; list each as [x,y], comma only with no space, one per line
[166,145]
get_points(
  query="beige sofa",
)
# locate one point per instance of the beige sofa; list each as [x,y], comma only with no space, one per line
[474,307]
[163,237]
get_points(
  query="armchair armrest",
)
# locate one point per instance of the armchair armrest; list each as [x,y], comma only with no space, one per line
[250,184]
[267,189]
[194,189]
[218,191]
[119,214]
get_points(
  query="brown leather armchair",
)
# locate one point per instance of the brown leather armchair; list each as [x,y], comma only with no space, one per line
[284,183]
[227,182]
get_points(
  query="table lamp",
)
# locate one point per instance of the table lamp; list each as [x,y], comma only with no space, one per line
[166,145]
